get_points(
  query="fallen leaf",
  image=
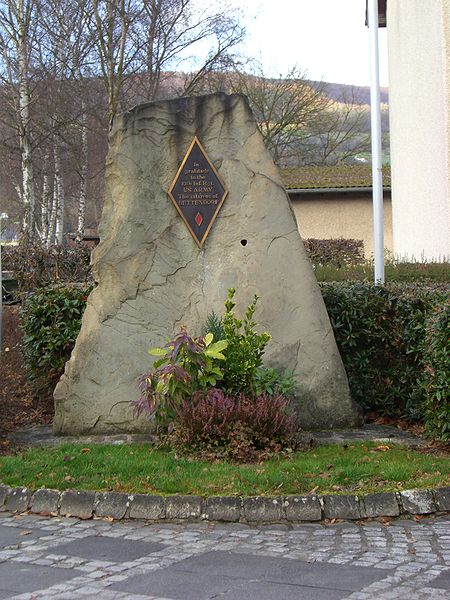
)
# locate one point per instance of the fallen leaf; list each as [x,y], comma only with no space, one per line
[24,533]
[383,448]
[69,478]
[85,450]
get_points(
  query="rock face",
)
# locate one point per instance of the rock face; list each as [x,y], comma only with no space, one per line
[152,277]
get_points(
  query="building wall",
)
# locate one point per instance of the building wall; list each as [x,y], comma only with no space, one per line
[419,95]
[349,217]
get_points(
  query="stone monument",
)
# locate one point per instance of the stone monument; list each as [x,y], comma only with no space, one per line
[194,205]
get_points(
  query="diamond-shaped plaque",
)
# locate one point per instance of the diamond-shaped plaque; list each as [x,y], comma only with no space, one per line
[198,192]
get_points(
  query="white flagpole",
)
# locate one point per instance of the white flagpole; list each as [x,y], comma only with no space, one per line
[375,114]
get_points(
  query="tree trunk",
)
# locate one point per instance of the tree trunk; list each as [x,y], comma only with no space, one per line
[28,197]
[84,169]
[45,200]
[59,185]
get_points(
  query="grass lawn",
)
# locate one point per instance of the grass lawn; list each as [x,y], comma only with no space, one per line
[397,271]
[358,468]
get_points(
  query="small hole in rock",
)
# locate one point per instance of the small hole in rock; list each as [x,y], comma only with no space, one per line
[244,242]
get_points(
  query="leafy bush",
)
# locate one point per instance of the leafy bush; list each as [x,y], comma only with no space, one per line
[236,427]
[435,380]
[269,380]
[380,331]
[245,348]
[217,397]
[51,320]
[186,365]
[337,252]
[36,266]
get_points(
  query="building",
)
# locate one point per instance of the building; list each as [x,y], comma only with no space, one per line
[419,99]
[336,202]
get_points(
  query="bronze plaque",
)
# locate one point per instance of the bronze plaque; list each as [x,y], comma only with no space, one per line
[197,192]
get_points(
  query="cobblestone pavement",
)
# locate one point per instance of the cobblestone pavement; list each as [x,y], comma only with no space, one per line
[45,557]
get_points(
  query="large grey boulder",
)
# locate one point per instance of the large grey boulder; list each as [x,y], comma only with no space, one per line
[152,277]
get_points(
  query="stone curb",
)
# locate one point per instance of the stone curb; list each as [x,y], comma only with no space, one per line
[256,509]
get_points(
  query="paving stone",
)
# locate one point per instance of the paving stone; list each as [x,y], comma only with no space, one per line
[442,581]
[10,536]
[166,583]
[102,548]
[302,508]
[183,507]
[20,578]
[382,504]
[143,506]
[280,570]
[45,501]
[258,509]
[341,507]
[77,504]
[4,493]
[441,497]
[407,560]
[111,504]
[223,508]
[263,590]
[18,499]
[417,502]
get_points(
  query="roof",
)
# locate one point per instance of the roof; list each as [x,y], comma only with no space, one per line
[332,177]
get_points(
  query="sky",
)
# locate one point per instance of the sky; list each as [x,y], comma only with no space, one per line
[326,38]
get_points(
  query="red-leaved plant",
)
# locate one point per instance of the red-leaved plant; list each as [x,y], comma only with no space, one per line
[185,365]
[237,427]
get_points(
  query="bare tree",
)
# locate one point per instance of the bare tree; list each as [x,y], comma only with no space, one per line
[54,57]
[67,34]
[282,107]
[299,121]
[17,30]
[338,134]
[109,22]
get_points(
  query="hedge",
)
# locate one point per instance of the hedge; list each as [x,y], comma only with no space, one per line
[381,335]
[435,379]
[393,341]
[35,266]
[336,252]
[51,321]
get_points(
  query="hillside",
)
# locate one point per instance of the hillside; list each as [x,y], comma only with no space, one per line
[336,91]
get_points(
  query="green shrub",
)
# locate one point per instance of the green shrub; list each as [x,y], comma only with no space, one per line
[435,381]
[245,348]
[188,365]
[51,320]
[269,380]
[379,331]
